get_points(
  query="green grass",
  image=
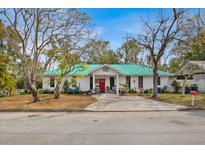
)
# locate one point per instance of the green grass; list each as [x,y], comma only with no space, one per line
[179,100]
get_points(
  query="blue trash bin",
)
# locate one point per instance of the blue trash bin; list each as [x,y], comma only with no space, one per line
[188,90]
[158,89]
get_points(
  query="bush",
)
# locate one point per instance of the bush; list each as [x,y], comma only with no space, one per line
[148,91]
[132,91]
[125,88]
[26,91]
[20,84]
[164,89]
[47,91]
[176,86]
[39,84]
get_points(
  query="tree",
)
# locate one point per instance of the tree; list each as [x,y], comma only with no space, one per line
[99,52]
[69,55]
[110,57]
[192,49]
[31,33]
[6,80]
[129,52]
[66,64]
[193,46]
[157,38]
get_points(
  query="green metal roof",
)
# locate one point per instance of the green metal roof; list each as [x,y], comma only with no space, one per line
[125,69]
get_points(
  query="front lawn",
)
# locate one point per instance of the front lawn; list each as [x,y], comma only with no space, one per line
[47,102]
[179,100]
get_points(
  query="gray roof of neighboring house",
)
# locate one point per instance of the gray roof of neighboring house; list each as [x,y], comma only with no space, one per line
[192,67]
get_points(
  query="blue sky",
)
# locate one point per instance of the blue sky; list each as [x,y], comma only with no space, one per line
[115,24]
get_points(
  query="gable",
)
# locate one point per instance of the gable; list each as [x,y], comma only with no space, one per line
[105,70]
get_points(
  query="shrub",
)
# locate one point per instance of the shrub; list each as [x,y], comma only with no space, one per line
[187,85]
[26,91]
[148,91]
[20,84]
[47,91]
[132,91]
[125,87]
[39,84]
[176,86]
[164,89]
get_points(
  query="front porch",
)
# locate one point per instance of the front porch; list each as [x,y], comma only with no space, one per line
[105,84]
[105,79]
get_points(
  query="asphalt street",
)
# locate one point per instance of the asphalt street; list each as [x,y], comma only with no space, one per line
[168,127]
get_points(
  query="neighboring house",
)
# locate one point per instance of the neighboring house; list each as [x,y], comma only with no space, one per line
[196,71]
[107,78]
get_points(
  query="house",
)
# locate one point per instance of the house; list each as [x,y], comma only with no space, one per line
[195,70]
[108,78]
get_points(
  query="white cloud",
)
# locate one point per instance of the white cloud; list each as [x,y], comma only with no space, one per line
[99,30]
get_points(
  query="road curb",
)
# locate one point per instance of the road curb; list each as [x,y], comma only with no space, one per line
[190,109]
[85,110]
[78,110]
[44,110]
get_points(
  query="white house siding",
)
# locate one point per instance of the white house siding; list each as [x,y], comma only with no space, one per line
[164,81]
[201,84]
[46,83]
[199,79]
[84,83]
[147,82]
[122,79]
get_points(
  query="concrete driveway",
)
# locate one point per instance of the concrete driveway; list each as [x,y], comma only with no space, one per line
[111,102]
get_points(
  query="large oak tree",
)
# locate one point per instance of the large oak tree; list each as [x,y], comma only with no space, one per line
[32,33]
[158,36]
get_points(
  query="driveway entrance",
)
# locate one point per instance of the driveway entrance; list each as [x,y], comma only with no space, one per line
[111,102]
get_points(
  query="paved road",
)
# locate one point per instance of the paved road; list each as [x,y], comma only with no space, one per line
[111,102]
[171,127]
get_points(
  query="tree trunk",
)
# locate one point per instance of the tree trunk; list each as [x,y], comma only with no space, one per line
[184,85]
[57,91]
[155,81]
[34,94]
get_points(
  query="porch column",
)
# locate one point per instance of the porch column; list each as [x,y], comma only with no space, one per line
[117,87]
[93,83]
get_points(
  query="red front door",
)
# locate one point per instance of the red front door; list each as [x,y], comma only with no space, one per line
[102,85]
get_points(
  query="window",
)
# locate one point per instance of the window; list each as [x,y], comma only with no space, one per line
[182,77]
[140,82]
[91,82]
[52,82]
[74,81]
[112,82]
[128,81]
[159,81]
